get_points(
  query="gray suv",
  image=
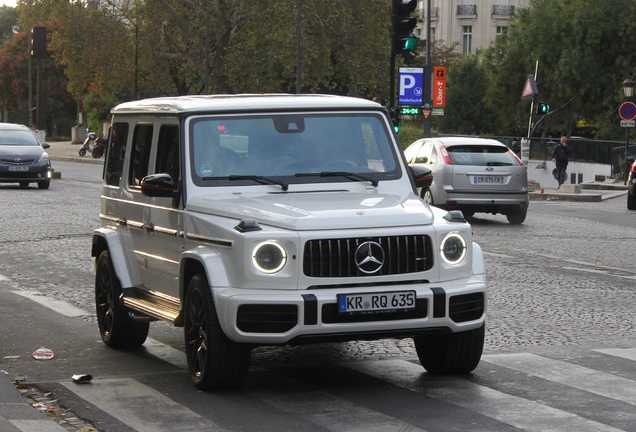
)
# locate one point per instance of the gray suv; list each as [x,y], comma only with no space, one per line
[278,219]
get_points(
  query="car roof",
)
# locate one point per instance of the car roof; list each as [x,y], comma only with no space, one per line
[13,126]
[458,140]
[242,102]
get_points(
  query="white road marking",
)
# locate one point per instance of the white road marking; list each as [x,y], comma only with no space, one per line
[513,410]
[626,353]
[140,407]
[58,306]
[589,380]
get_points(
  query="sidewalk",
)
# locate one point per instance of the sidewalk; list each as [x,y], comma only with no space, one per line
[66,151]
[16,415]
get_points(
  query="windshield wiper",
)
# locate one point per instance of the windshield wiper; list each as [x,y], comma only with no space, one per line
[346,174]
[261,180]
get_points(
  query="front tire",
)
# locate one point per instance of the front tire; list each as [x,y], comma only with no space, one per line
[453,353]
[44,184]
[214,361]
[116,327]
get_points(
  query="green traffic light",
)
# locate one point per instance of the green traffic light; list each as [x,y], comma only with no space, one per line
[410,43]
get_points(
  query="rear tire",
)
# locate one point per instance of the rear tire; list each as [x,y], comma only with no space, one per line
[518,216]
[82,151]
[454,353]
[116,327]
[214,361]
[98,152]
[631,201]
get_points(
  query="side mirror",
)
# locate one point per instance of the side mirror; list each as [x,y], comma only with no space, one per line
[422,176]
[158,185]
[45,145]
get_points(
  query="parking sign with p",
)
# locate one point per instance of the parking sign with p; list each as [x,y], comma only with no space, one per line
[411,89]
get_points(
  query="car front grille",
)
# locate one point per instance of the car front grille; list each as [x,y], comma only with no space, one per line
[337,257]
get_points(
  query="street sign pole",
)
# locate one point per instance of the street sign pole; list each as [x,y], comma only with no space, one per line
[627,111]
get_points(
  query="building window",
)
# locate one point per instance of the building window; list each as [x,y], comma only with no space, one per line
[501,30]
[467,39]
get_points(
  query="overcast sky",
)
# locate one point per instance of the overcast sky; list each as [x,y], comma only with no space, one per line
[7,2]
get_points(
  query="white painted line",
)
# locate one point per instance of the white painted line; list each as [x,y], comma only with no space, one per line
[589,380]
[626,353]
[503,407]
[58,306]
[328,410]
[140,407]
[166,353]
[3,278]
[37,425]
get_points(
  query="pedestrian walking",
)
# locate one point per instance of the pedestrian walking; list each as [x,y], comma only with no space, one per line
[560,155]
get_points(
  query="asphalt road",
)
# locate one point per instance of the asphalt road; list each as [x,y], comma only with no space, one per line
[561,335]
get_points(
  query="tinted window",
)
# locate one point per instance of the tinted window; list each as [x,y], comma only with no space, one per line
[116,152]
[168,151]
[481,155]
[142,141]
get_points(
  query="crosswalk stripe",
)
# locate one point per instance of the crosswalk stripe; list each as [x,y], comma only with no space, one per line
[140,407]
[626,353]
[569,374]
[59,306]
[329,411]
[45,425]
[513,410]
[166,353]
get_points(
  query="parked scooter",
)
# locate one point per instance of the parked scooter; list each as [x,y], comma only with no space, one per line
[98,144]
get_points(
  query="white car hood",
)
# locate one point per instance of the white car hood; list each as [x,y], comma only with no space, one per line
[319,210]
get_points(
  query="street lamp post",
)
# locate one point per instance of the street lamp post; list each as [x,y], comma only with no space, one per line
[628,89]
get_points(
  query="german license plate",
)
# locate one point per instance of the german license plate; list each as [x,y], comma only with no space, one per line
[488,179]
[18,168]
[382,302]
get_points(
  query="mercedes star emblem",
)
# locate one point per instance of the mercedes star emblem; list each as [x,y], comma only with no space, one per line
[369,257]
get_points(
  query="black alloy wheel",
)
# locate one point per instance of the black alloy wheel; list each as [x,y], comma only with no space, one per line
[116,327]
[214,361]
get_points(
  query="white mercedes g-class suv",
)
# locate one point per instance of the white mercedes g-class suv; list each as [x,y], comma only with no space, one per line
[278,219]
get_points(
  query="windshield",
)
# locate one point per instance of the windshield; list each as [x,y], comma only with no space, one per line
[18,138]
[291,148]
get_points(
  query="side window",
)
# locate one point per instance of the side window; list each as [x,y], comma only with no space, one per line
[424,155]
[168,151]
[114,165]
[433,158]
[142,140]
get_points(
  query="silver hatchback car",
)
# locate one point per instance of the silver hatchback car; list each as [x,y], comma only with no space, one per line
[473,175]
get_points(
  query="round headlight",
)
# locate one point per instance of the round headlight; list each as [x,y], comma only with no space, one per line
[269,257]
[453,248]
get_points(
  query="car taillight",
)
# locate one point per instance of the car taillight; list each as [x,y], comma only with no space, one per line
[519,161]
[634,167]
[445,155]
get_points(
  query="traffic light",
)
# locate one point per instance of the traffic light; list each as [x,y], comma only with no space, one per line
[395,117]
[403,25]
[543,108]
[38,42]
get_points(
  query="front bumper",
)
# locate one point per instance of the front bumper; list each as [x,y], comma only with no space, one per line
[276,317]
[29,173]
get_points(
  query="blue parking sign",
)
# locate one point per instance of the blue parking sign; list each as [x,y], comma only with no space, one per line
[411,89]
